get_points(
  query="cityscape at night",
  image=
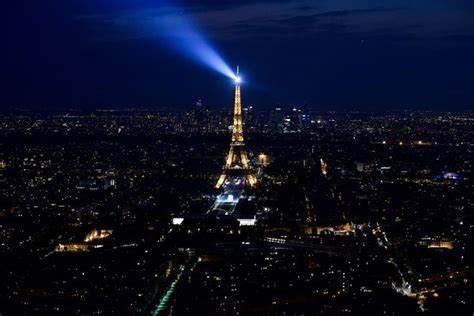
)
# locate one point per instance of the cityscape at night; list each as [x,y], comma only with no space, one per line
[281,157]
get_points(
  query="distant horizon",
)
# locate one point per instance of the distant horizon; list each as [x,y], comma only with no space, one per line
[287,107]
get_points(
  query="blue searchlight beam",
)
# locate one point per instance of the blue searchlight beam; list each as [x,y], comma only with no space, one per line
[180,32]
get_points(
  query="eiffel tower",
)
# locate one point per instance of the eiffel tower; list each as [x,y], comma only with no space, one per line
[236,170]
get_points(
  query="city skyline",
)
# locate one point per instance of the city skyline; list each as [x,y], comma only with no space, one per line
[237,157]
[351,213]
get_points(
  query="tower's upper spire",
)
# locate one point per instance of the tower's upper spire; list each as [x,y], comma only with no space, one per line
[237,77]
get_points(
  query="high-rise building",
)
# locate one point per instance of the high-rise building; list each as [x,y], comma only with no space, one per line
[295,121]
[276,119]
[199,103]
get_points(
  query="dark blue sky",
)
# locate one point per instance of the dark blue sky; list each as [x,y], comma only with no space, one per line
[330,54]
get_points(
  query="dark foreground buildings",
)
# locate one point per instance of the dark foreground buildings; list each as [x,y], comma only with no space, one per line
[353,214]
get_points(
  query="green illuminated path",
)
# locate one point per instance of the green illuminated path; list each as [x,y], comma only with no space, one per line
[163,303]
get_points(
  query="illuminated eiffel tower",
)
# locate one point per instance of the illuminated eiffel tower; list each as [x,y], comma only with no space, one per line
[236,170]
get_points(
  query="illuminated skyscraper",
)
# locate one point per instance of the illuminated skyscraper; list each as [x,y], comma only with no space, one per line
[236,170]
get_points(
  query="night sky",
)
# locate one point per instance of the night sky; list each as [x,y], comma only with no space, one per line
[328,54]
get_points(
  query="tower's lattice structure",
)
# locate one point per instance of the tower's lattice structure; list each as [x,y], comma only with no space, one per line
[236,170]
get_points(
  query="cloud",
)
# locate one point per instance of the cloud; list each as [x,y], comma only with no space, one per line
[285,19]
